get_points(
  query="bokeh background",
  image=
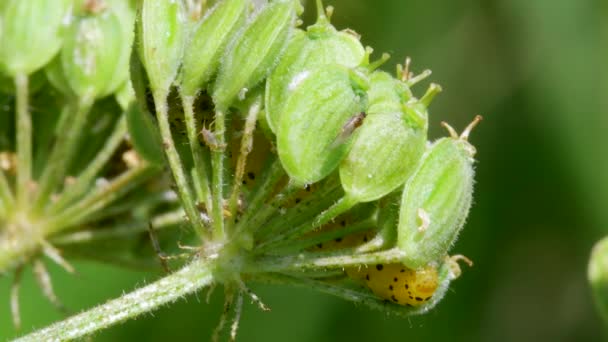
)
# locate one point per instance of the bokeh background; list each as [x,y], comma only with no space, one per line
[537,72]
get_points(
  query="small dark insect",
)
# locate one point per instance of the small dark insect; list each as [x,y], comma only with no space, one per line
[349,127]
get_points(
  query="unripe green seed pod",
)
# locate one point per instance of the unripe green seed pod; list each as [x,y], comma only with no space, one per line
[30,33]
[314,117]
[255,51]
[90,54]
[125,11]
[207,43]
[387,146]
[320,44]
[436,200]
[161,30]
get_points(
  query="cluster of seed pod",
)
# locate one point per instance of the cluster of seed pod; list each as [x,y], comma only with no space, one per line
[338,175]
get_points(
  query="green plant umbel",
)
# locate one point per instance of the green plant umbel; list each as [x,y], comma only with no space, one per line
[289,153]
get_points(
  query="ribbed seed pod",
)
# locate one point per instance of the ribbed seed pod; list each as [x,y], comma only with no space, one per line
[161,30]
[125,11]
[387,146]
[254,52]
[30,33]
[207,43]
[436,200]
[320,44]
[313,118]
[91,53]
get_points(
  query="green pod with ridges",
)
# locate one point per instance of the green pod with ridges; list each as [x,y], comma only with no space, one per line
[320,44]
[30,33]
[387,146]
[161,29]
[313,118]
[254,52]
[436,200]
[90,54]
[125,11]
[207,44]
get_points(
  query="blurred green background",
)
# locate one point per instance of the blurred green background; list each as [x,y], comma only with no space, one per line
[536,70]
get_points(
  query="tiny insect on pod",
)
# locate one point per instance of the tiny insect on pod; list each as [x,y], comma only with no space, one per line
[388,145]
[320,44]
[436,199]
[314,115]
[255,51]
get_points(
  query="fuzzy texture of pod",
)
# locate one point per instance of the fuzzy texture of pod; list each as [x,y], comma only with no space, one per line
[161,30]
[320,44]
[91,53]
[313,118]
[254,52]
[387,147]
[436,202]
[30,33]
[207,43]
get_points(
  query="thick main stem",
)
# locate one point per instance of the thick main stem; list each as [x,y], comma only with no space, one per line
[189,279]
[24,140]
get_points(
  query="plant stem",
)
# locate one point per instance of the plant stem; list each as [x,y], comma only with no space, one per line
[341,206]
[6,196]
[324,260]
[63,151]
[246,146]
[84,180]
[217,180]
[271,178]
[99,199]
[120,230]
[183,188]
[200,158]
[24,140]
[189,279]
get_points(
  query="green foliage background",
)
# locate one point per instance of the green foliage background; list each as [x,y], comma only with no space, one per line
[537,72]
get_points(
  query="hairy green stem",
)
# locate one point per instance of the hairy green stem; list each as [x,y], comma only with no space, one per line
[339,259]
[24,141]
[198,154]
[84,180]
[271,178]
[217,180]
[340,207]
[189,279]
[63,151]
[246,146]
[183,188]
